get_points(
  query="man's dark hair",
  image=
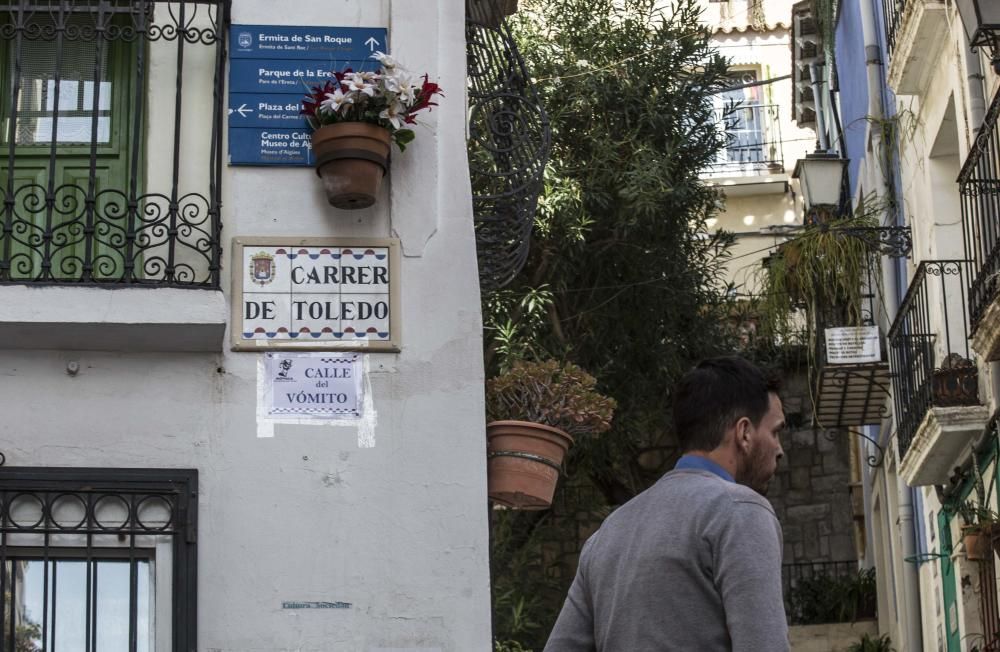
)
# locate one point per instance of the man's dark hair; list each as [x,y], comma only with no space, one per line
[714,395]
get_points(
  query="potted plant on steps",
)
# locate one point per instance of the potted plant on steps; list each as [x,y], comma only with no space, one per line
[355,116]
[535,410]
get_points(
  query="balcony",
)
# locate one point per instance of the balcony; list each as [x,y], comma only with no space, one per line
[915,38]
[819,593]
[752,162]
[935,382]
[508,144]
[852,372]
[110,167]
[979,186]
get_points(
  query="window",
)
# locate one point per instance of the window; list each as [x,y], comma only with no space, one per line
[97,559]
[110,141]
[750,126]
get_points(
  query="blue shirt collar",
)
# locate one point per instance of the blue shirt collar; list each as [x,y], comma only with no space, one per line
[703,464]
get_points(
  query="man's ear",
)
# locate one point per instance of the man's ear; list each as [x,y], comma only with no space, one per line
[743,428]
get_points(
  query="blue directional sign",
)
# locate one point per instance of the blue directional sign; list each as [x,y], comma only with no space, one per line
[323,43]
[271,69]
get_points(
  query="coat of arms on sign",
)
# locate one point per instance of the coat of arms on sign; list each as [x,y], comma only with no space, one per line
[262,268]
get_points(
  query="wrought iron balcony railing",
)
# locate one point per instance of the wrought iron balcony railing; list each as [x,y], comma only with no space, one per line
[111,141]
[929,352]
[828,592]
[979,186]
[753,136]
[892,12]
[509,140]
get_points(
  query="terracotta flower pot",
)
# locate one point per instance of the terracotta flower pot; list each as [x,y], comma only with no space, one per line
[351,159]
[524,461]
[977,544]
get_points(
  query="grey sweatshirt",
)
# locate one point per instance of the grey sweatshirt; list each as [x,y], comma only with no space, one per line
[692,564]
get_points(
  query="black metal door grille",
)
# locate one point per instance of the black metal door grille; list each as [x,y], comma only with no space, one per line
[85,198]
[83,555]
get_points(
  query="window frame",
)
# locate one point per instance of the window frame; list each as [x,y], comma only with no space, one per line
[179,487]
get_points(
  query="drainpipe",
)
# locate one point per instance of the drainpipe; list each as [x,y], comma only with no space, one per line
[815,82]
[909,499]
[974,76]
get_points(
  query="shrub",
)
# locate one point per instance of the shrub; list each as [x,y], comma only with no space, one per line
[553,394]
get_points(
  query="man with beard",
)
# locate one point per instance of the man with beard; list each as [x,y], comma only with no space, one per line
[694,562]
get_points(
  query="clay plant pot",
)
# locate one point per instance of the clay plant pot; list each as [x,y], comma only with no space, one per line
[351,159]
[955,386]
[977,543]
[524,462]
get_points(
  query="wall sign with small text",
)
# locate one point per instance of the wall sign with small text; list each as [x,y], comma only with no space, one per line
[315,293]
[271,68]
[313,385]
[852,345]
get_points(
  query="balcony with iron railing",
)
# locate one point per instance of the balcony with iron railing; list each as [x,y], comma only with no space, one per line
[979,187]
[851,375]
[508,144]
[934,378]
[753,143]
[828,592]
[110,166]
[915,37]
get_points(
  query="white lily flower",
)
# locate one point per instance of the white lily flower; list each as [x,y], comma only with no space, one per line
[394,113]
[402,85]
[386,61]
[335,101]
[356,83]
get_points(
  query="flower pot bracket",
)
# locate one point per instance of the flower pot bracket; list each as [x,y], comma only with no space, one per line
[526,456]
[340,154]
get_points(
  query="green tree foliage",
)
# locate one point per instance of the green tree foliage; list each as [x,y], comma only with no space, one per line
[623,278]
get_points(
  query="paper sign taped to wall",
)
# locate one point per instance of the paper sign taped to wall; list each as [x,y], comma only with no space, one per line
[313,385]
[852,345]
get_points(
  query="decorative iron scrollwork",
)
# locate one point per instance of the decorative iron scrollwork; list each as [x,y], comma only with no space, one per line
[892,241]
[873,459]
[98,214]
[509,141]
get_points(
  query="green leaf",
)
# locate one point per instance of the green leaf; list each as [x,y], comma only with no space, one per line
[403,138]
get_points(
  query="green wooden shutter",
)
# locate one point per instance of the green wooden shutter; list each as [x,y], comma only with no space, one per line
[75,235]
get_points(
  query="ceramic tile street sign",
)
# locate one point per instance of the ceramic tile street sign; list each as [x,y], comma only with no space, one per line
[271,68]
[315,293]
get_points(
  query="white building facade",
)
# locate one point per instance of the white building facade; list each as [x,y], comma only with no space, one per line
[152,498]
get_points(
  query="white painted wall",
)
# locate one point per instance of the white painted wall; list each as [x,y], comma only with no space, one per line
[399,530]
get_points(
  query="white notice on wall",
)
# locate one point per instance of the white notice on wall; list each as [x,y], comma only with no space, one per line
[313,385]
[852,345]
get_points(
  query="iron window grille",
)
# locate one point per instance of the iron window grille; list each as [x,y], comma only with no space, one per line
[98,559]
[111,141]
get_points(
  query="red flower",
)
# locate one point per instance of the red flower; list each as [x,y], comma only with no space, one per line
[427,90]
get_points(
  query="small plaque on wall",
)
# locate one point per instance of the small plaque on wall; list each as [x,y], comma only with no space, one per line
[315,293]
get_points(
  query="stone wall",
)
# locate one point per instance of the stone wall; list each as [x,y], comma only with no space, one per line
[810,492]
